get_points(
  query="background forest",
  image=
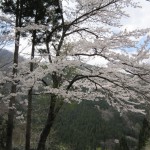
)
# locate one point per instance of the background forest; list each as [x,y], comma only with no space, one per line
[85,126]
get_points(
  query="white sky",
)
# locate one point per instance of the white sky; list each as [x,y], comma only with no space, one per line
[139,17]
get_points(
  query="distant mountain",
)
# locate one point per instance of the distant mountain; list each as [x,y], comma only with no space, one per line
[6,59]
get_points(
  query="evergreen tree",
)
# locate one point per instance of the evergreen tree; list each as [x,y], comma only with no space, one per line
[2,133]
[144,134]
[123,144]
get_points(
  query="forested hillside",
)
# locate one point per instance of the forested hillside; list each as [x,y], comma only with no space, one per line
[87,125]
[90,125]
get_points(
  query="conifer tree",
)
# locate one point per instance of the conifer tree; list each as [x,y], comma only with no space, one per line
[144,134]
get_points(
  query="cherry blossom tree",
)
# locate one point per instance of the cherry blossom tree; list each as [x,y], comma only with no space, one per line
[82,31]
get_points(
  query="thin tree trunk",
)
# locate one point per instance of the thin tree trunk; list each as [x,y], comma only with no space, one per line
[28,124]
[29,109]
[11,111]
[10,123]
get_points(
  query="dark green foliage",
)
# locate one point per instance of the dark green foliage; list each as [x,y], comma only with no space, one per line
[83,126]
[144,134]
[76,122]
[8,6]
[123,144]
[86,126]
[41,104]
[2,133]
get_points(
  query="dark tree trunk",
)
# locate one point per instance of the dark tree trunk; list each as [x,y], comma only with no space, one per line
[53,111]
[11,111]
[28,124]
[48,125]
[29,109]
[10,122]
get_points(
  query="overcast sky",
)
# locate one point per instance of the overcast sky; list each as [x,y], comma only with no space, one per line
[139,17]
